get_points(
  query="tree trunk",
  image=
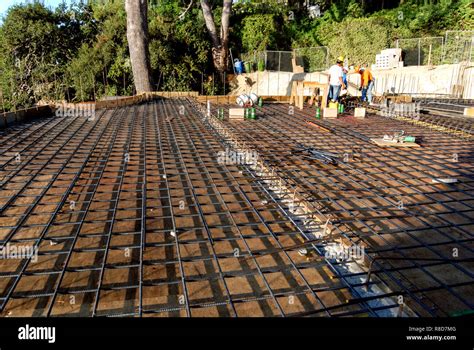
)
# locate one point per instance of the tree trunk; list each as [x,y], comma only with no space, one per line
[137,36]
[220,41]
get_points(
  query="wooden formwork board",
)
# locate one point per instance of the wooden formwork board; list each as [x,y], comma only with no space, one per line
[136,99]
[23,115]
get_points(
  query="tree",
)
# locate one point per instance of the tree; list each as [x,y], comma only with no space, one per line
[137,36]
[179,45]
[220,42]
[102,66]
[36,44]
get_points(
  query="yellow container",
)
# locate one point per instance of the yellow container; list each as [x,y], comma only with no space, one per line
[333,105]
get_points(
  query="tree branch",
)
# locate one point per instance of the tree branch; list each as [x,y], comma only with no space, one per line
[181,16]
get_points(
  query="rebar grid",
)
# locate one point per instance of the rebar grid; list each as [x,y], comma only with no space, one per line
[134,215]
[444,117]
[373,186]
[373,296]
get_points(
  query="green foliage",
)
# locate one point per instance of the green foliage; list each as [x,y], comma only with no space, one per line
[350,38]
[259,32]
[179,48]
[37,45]
[346,33]
[102,67]
[80,51]
[312,59]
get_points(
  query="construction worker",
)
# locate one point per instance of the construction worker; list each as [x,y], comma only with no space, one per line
[335,80]
[366,83]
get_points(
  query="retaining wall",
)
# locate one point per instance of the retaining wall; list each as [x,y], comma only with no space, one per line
[455,80]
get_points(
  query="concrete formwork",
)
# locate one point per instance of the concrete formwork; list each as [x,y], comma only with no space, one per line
[444,80]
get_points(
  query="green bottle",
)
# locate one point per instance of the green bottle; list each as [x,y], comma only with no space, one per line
[318,113]
[252,113]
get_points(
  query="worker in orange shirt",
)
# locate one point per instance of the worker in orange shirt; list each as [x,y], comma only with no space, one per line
[366,83]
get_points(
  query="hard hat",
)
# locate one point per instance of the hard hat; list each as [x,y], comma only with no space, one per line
[340,59]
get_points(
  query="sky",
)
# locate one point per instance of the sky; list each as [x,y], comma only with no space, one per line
[5,4]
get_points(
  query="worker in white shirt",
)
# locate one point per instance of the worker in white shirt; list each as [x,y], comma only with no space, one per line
[335,80]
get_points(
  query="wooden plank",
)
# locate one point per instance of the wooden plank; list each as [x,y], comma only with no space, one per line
[294,86]
[317,126]
[300,89]
[237,113]
[383,143]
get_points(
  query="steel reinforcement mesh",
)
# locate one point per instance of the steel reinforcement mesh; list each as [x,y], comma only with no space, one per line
[134,213]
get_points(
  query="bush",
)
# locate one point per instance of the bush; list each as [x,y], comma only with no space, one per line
[259,32]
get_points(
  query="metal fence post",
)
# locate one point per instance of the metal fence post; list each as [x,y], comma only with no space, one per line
[279,66]
[444,45]
[419,51]
[327,58]
[470,49]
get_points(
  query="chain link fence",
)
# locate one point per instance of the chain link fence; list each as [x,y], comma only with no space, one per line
[458,46]
[312,59]
[454,47]
[421,51]
[279,61]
